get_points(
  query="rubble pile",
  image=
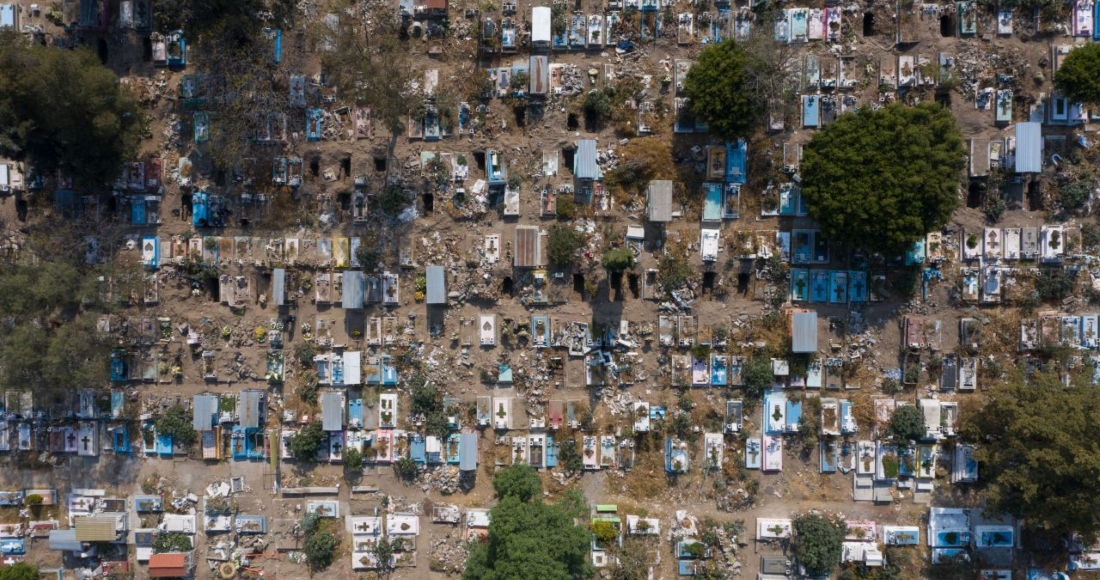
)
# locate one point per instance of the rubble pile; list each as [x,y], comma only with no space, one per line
[448,555]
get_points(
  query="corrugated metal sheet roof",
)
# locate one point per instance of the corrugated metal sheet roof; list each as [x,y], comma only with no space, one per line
[467,452]
[540,24]
[355,286]
[332,412]
[437,285]
[96,529]
[659,201]
[249,409]
[528,247]
[278,286]
[353,368]
[206,412]
[804,332]
[65,540]
[1029,147]
[584,161]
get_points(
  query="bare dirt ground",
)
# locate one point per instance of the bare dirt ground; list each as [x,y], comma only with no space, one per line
[436,238]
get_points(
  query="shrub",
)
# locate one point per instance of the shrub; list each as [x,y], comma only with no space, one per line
[618,259]
[565,207]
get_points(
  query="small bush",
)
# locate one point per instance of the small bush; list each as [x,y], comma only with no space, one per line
[566,208]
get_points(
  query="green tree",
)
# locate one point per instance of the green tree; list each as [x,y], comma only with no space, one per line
[566,208]
[817,542]
[758,377]
[1035,441]
[881,180]
[353,464]
[562,245]
[239,16]
[519,481]
[320,544]
[1078,77]
[19,571]
[530,540]
[304,444]
[618,259]
[384,549]
[604,531]
[70,115]
[906,424]
[368,63]
[305,352]
[171,542]
[1074,195]
[427,401]
[33,500]
[569,456]
[632,561]
[597,107]
[176,422]
[405,468]
[720,90]
[673,271]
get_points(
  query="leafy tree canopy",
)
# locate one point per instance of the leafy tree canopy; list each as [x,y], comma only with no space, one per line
[519,481]
[1078,77]
[530,541]
[353,464]
[817,542]
[241,16]
[171,542]
[881,180]
[1039,455]
[427,400]
[176,421]
[19,571]
[70,114]
[719,87]
[907,424]
[562,245]
[758,376]
[320,543]
[368,63]
[305,443]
